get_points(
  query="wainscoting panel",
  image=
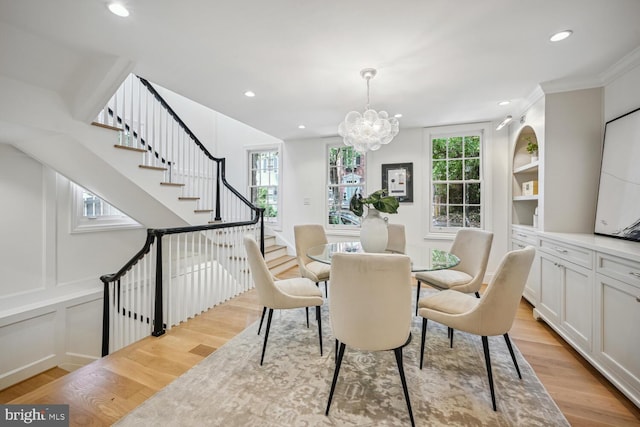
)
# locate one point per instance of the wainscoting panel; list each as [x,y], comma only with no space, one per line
[64,332]
[28,346]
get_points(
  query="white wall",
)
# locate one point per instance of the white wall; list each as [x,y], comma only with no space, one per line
[50,292]
[220,134]
[622,95]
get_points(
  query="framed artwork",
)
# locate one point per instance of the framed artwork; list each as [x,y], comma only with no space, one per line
[397,179]
[618,208]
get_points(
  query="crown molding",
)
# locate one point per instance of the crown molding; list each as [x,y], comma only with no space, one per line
[571,84]
[628,62]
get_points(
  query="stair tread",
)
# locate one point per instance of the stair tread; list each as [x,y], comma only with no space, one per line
[155,168]
[188,198]
[100,125]
[126,147]
[280,260]
[273,248]
[174,184]
[203,210]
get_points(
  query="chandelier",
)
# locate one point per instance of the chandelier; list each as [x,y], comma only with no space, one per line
[371,130]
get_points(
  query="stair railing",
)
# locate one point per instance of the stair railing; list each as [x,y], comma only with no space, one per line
[150,124]
[179,272]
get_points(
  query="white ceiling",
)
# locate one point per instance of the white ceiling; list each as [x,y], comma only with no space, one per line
[439,61]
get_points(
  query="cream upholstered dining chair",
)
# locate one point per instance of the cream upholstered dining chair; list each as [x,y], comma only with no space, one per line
[397,242]
[282,294]
[370,307]
[472,246]
[307,236]
[490,315]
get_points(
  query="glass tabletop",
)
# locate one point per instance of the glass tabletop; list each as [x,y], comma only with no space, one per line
[422,258]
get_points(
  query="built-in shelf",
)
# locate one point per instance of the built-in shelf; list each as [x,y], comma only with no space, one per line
[530,167]
[525,173]
[521,198]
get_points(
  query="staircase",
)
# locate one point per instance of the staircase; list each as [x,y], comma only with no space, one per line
[276,256]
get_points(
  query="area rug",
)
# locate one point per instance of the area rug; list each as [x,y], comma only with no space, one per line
[230,388]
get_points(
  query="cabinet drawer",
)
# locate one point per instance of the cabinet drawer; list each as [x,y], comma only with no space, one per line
[524,236]
[577,255]
[625,270]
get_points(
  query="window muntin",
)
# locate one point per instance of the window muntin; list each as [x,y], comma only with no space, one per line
[456,181]
[346,176]
[91,213]
[264,179]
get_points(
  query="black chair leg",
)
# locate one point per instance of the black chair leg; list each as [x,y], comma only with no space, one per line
[487,358]
[424,334]
[326,290]
[450,337]
[398,353]
[266,335]
[307,310]
[319,326]
[335,375]
[264,310]
[336,356]
[477,294]
[417,297]
[513,356]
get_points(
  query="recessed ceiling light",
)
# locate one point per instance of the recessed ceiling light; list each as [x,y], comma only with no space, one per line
[505,122]
[560,35]
[118,9]
[302,127]
[503,103]
[397,116]
[249,94]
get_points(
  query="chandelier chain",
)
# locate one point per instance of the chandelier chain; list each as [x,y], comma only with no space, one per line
[368,102]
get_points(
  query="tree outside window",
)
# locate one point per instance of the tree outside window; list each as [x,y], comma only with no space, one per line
[456,182]
[264,176]
[346,177]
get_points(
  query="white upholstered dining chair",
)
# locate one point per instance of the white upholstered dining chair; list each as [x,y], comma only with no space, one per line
[370,307]
[297,292]
[473,247]
[397,242]
[490,315]
[307,236]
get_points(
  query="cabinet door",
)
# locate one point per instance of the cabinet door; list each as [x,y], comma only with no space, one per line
[618,336]
[577,315]
[550,288]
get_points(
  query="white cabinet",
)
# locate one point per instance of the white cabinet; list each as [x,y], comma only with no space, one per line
[520,238]
[566,291]
[567,127]
[590,295]
[617,346]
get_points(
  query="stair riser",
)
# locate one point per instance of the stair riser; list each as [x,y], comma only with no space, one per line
[284,267]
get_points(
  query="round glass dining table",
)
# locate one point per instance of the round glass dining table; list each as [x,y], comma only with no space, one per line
[422,258]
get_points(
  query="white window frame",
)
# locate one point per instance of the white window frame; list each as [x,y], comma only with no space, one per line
[340,229]
[277,223]
[85,224]
[482,129]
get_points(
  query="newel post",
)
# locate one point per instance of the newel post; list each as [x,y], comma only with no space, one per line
[158,323]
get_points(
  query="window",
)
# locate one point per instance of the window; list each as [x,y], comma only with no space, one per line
[264,179]
[346,177]
[91,213]
[456,181]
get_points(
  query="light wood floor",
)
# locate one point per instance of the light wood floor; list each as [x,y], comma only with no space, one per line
[108,389]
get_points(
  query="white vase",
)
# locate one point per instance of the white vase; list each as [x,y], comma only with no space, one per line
[373,232]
